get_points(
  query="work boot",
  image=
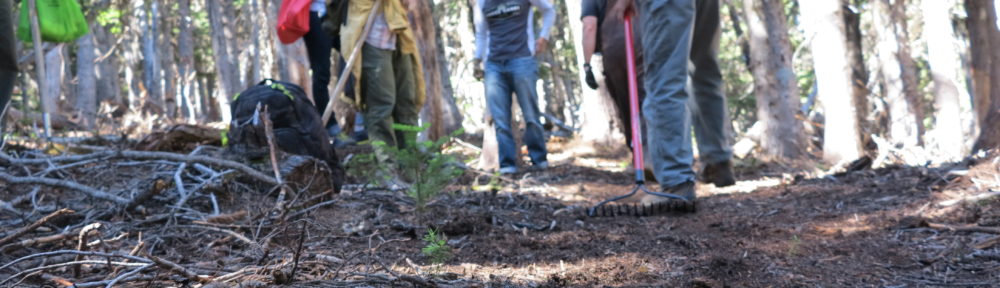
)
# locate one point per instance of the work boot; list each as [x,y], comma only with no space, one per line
[685,190]
[720,174]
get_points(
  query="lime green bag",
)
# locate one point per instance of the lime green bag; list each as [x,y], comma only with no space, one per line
[58,21]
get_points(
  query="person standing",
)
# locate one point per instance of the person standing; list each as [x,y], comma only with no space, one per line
[505,42]
[684,36]
[8,59]
[319,46]
[390,82]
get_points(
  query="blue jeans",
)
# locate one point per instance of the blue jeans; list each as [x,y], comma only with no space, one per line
[677,33]
[504,78]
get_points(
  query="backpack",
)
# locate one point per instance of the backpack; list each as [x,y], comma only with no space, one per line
[58,21]
[293,20]
[298,128]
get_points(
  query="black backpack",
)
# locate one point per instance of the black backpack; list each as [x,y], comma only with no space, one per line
[298,127]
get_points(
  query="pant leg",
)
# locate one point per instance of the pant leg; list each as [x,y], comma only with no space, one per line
[498,101]
[8,58]
[406,111]
[319,46]
[709,112]
[666,31]
[378,90]
[524,76]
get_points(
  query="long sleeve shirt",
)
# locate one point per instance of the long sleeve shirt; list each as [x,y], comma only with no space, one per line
[505,28]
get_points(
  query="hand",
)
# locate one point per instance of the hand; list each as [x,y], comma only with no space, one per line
[477,69]
[540,45]
[591,80]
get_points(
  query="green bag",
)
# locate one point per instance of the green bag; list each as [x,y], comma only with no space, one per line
[58,21]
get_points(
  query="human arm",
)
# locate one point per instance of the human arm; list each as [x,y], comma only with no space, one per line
[482,39]
[548,19]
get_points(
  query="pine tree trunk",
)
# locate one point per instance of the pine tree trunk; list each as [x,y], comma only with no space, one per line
[825,22]
[150,55]
[986,20]
[943,59]
[859,71]
[185,67]
[774,80]
[86,74]
[899,79]
[437,110]
[221,18]
[168,63]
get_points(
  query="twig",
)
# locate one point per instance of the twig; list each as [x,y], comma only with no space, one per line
[236,235]
[298,252]
[966,228]
[975,198]
[73,252]
[35,225]
[269,133]
[174,267]
[65,184]
[57,265]
[314,207]
[988,243]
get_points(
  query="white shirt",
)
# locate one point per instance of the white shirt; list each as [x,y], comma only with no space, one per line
[318,6]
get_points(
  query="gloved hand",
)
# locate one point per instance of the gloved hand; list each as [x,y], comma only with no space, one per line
[591,80]
[477,69]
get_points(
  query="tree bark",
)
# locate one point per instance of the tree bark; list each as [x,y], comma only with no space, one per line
[943,59]
[987,28]
[150,54]
[898,72]
[221,15]
[859,71]
[774,80]
[86,74]
[437,110]
[824,21]
[185,67]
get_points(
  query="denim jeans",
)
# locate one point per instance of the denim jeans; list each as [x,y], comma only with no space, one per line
[679,33]
[503,79]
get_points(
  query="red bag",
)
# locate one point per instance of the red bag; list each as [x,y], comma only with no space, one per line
[293,20]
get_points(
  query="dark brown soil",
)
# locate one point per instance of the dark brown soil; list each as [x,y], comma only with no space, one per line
[862,229]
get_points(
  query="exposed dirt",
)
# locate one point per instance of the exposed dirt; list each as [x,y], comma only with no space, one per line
[867,228]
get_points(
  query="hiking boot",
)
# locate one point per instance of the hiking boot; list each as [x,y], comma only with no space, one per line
[685,190]
[544,165]
[720,174]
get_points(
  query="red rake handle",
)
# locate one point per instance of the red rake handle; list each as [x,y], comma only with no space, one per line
[633,99]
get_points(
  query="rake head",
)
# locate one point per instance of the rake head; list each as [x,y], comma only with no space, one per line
[674,205]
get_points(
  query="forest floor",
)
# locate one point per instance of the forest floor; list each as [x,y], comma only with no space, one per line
[890,227]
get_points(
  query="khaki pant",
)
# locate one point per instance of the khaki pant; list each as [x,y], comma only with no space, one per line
[388,88]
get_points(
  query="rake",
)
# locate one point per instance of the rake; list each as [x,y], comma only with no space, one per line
[605,208]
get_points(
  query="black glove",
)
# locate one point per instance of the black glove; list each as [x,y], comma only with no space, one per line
[591,81]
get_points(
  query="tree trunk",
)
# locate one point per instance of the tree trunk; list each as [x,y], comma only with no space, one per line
[150,55]
[774,80]
[859,71]
[841,139]
[437,110]
[597,110]
[943,59]
[168,62]
[86,74]
[985,20]
[221,17]
[54,74]
[185,68]
[898,72]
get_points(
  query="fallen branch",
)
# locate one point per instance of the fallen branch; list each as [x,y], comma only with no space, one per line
[174,267]
[72,263]
[37,224]
[974,198]
[972,228]
[988,243]
[65,184]
[74,252]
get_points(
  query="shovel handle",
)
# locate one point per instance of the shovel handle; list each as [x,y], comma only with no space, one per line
[633,99]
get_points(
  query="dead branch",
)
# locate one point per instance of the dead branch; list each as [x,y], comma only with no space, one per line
[972,228]
[37,224]
[236,235]
[988,243]
[73,263]
[65,184]
[174,267]
[74,252]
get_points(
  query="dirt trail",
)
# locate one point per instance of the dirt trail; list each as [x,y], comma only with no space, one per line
[867,228]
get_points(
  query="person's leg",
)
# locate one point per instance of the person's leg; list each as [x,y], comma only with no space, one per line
[666,31]
[406,111]
[709,109]
[498,101]
[319,46]
[8,58]
[378,90]
[524,74]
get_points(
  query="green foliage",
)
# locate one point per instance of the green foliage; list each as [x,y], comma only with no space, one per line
[436,248]
[111,17]
[424,164]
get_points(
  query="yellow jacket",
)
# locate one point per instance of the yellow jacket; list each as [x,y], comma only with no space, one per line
[396,17]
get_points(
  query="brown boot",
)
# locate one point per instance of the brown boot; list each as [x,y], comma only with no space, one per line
[720,174]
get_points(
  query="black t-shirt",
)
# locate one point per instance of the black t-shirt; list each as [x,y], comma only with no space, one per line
[595,8]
